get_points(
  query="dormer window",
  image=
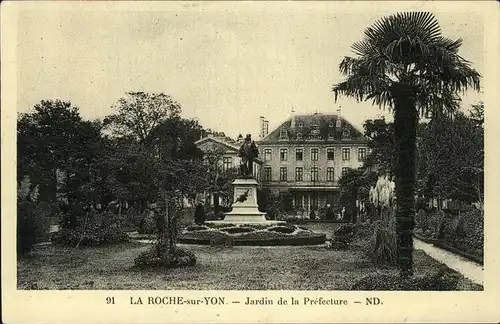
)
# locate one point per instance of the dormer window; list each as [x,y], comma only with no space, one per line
[282,133]
[331,125]
[315,130]
[301,124]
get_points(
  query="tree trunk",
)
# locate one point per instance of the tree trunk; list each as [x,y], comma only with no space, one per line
[216,204]
[170,227]
[405,127]
[354,209]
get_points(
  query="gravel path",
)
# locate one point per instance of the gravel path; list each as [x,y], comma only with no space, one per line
[468,269]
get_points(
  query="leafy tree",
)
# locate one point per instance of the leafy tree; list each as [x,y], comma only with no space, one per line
[156,160]
[477,113]
[274,204]
[354,185]
[219,180]
[32,216]
[405,63]
[382,145]
[139,113]
[54,137]
[451,158]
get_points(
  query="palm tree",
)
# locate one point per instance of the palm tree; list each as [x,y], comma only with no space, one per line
[405,64]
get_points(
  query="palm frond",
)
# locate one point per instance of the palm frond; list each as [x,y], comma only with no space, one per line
[407,48]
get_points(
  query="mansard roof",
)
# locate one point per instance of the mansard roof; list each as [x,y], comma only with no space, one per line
[315,126]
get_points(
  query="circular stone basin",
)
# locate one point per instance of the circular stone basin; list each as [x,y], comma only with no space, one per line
[258,233]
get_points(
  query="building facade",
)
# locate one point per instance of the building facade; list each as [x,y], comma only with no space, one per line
[307,154]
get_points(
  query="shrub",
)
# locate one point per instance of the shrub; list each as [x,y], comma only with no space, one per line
[134,216]
[294,220]
[96,229]
[211,215]
[466,232]
[225,209]
[32,224]
[364,231]
[199,214]
[226,241]
[282,229]
[196,228]
[153,259]
[383,247]
[219,225]
[436,219]
[345,229]
[422,220]
[148,222]
[237,230]
[441,280]
[257,226]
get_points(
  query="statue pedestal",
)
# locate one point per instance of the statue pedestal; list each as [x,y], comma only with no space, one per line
[246,211]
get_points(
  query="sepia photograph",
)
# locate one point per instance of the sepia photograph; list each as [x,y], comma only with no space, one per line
[239,146]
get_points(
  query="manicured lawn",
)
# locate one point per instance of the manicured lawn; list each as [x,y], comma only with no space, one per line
[252,268]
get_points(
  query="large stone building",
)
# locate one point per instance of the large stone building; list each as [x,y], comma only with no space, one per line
[307,154]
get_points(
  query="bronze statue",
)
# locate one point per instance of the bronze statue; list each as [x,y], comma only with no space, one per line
[248,152]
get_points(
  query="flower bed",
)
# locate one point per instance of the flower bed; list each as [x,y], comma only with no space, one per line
[252,234]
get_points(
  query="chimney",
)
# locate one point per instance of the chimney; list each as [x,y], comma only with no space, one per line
[240,139]
[338,126]
[262,122]
[266,127]
[292,123]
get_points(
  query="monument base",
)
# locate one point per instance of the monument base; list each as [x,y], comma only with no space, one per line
[245,207]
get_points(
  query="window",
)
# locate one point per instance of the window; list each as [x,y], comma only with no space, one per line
[301,124]
[299,136]
[267,174]
[314,154]
[330,154]
[344,171]
[314,174]
[331,136]
[283,154]
[283,174]
[299,174]
[299,154]
[329,174]
[330,124]
[346,133]
[298,201]
[267,154]
[227,163]
[346,154]
[282,133]
[361,154]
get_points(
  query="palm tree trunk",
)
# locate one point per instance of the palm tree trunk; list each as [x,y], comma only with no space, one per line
[405,128]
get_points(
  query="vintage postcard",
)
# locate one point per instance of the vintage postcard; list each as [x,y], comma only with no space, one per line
[244,162]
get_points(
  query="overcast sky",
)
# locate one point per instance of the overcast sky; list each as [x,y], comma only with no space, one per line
[225,63]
